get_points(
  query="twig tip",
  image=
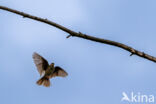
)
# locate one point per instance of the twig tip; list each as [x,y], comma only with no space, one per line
[69,36]
[131,54]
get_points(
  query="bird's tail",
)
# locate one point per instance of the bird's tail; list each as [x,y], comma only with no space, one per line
[44,81]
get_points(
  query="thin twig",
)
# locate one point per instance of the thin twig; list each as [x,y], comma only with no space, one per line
[69,36]
[81,35]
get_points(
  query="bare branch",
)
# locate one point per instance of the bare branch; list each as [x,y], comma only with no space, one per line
[81,35]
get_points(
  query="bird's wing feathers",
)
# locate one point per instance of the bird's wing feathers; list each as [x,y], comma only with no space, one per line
[40,63]
[59,72]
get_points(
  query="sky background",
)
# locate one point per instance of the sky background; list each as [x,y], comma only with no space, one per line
[98,73]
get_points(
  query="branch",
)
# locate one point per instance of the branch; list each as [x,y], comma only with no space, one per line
[81,35]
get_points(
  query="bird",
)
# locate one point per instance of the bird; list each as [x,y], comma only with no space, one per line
[47,71]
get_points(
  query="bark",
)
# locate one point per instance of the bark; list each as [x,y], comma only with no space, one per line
[81,35]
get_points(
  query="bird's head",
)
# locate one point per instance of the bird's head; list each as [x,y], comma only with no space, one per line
[52,64]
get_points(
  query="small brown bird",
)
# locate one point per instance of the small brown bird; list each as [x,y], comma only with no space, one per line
[47,71]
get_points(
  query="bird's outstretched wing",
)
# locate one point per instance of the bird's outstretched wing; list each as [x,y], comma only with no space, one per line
[40,63]
[59,72]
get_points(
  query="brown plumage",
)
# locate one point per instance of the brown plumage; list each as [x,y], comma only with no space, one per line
[46,70]
[45,81]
